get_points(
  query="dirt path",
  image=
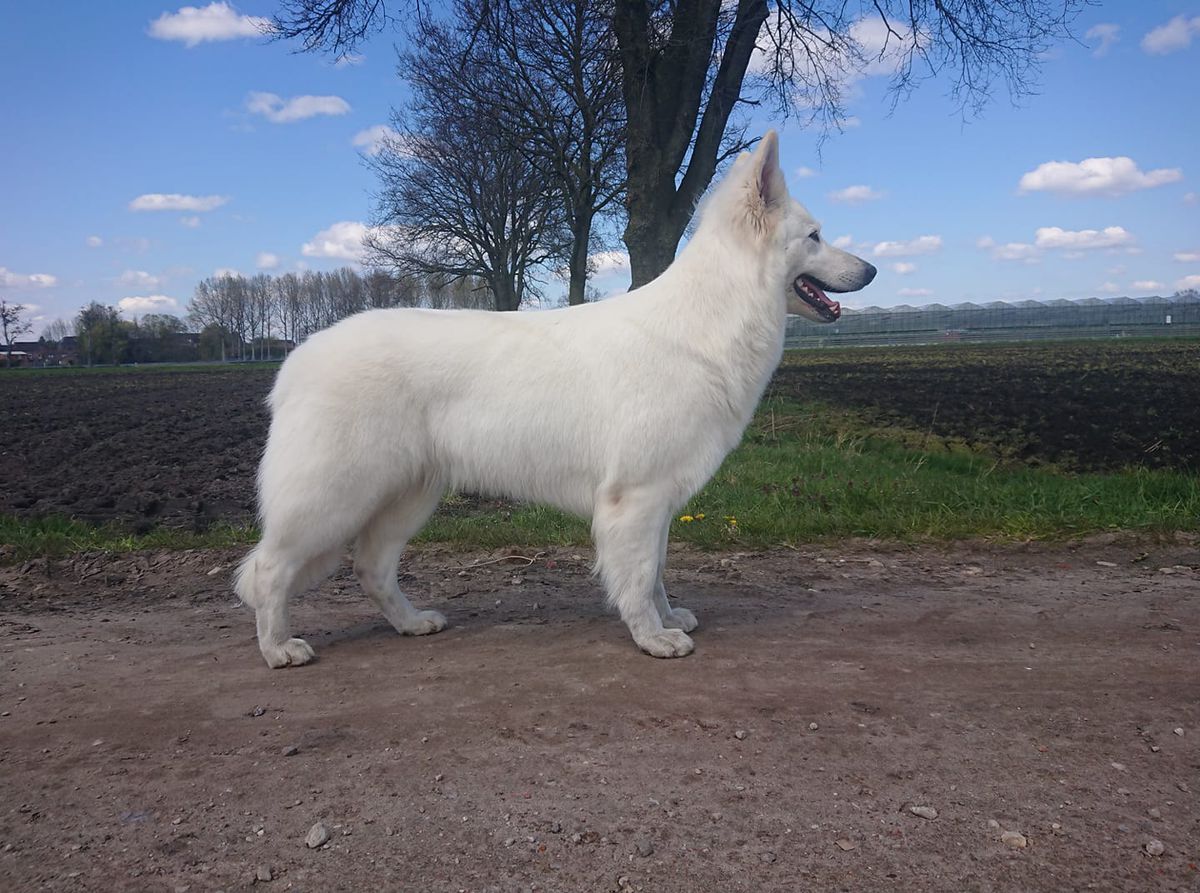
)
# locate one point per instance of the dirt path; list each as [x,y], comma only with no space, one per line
[144,745]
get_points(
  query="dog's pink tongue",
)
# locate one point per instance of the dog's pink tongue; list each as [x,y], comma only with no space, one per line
[834,307]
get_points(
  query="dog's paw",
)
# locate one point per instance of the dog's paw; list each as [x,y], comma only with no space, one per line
[423,623]
[292,653]
[681,618]
[668,643]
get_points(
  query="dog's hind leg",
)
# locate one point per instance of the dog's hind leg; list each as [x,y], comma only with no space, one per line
[377,556]
[267,580]
[628,529]
[673,617]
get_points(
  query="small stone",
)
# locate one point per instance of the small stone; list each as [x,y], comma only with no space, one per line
[438,777]
[258,711]
[1014,839]
[1107,563]
[1155,813]
[740,734]
[925,812]
[845,845]
[1120,767]
[767,857]
[1154,748]
[644,846]
[1178,731]
[555,827]
[291,750]
[812,727]
[318,835]
[1124,792]
[1155,848]
[263,873]
[993,824]
[1183,786]
[1055,826]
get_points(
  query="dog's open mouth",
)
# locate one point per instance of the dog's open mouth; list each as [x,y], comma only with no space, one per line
[810,293]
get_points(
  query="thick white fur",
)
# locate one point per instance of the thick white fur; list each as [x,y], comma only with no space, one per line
[618,411]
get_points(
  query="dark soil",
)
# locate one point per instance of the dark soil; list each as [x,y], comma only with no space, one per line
[144,745]
[180,448]
[1085,406]
[142,448]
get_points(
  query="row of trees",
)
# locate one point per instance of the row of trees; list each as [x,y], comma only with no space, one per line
[536,126]
[256,317]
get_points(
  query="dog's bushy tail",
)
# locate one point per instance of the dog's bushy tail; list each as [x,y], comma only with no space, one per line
[245,580]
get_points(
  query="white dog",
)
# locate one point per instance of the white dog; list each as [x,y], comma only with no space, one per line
[618,411]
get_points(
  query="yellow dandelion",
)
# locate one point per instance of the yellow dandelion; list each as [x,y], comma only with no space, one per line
[686,519]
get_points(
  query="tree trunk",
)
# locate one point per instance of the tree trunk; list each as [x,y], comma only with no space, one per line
[505,293]
[663,87]
[577,265]
[652,238]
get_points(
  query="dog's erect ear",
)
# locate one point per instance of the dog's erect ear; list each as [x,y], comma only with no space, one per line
[767,185]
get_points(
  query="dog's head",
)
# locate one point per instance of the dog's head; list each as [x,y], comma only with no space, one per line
[790,235]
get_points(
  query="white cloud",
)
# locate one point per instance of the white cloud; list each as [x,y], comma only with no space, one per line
[1175,35]
[1110,288]
[139,305]
[10,279]
[93,241]
[190,222]
[1084,239]
[1148,285]
[218,21]
[855,195]
[266,260]
[843,242]
[915,292]
[919,245]
[375,139]
[1105,34]
[343,240]
[278,110]
[139,279]
[803,173]
[903,267]
[1095,176]
[222,272]
[1010,251]
[1187,282]
[173,201]
[604,263]
[1187,257]
[1191,198]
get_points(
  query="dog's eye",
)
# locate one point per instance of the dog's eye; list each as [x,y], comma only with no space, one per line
[815,236]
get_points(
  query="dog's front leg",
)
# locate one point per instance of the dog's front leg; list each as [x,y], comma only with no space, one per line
[628,527]
[673,617]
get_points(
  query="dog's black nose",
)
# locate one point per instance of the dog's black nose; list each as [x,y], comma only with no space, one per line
[869,274]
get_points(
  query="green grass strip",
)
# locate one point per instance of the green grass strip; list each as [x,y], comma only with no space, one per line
[804,473]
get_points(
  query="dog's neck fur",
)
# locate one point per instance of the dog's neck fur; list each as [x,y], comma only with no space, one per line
[731,315]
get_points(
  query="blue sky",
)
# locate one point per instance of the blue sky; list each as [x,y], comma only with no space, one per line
[140,158]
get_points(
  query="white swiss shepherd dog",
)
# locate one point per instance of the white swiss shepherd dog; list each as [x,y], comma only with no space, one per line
[618,411]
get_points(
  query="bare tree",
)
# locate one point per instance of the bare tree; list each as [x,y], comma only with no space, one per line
[568,115]
[56,331]
[12,325]
[457,199]
[687,64]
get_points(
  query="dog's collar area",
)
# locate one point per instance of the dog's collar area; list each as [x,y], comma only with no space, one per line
[810,293]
